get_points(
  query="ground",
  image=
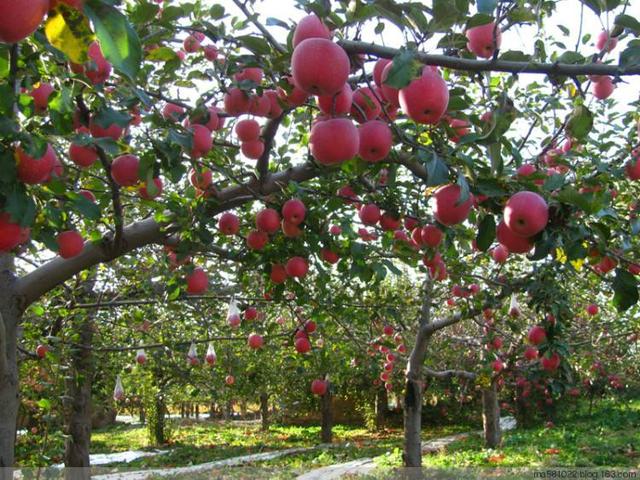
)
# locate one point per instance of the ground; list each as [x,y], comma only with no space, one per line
[610,436]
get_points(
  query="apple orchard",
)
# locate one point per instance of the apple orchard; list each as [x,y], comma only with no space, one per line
[306,197]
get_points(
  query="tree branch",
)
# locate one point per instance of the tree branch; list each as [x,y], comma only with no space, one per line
[3,347]
[116,245]
[148,231]
[446,374]
[508,66]
[268,135]
[267,34]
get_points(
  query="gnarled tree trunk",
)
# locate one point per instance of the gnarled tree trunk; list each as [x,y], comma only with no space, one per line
[264,410]
[491,416]
[78,408]
[9,388]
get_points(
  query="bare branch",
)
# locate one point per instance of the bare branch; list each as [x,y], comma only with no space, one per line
[469,65]
[116,245]
[446,374]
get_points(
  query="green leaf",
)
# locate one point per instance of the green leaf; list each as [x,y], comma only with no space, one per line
[580,122]
[599,6]
[68,30]
[437,170]
[257,45]
[276,22]
[4,61]
[486,6]
[625,290]
[554,182]
[628,22]
[479,19]
[446,13]
[118,40]
[404,69]
[630,56]
[464,189]
[515,56]
[108,116]
[486,233]
[217,12]
[84,206]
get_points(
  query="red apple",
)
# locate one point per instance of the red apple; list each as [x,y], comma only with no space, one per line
[526,214]
[20,18]
[247,130]
[480,39]
[537,335]
[253,74]
[124,170]
[390,94]
[497,366]
[171,111]
[592,309]
[550,363]
[41,351]
[113,130]
[334,141]
[268,220]
[35,170]
[41,95]
[366,105]
[378,68]
[329,256]
[603,88]
[389,222]
[310,27]
[252,149]
[338,104]
[500,254]
[229,380]
[82,156]
[229,224]
[461,127]
[97,69]
[369,214]
[294,211]
[431,236]
[512,242]
[255,341]
[70,244]
[197,282]
[290,230]
[144,192]
[447,209]
[531,353]
[425,99]
[236,102]
[257,239]
[319,66]
[210,52]
[295,97]
[319,387]
[302,345]
[278,273]
[202,141]
[606,43]
[297,267]
[375,140]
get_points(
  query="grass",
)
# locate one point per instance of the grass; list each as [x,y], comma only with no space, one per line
[610,437]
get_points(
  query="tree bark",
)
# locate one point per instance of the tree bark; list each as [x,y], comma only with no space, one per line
[9,389]
[78,408]
[264,410]
[491,416]
[212,410]
[326,432]
[158,430]
[243,409]
[382,407]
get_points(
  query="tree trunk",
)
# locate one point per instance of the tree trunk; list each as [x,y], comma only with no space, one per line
[243,409]
[491,416]
[9,388]
[264,410]
[326,433]
[228,411]
[142,417]
[212,411]
[78,408]
[412,424]
[158,430]
[382,407]
[197,411]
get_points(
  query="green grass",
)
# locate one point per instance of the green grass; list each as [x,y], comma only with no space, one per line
[608,438]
